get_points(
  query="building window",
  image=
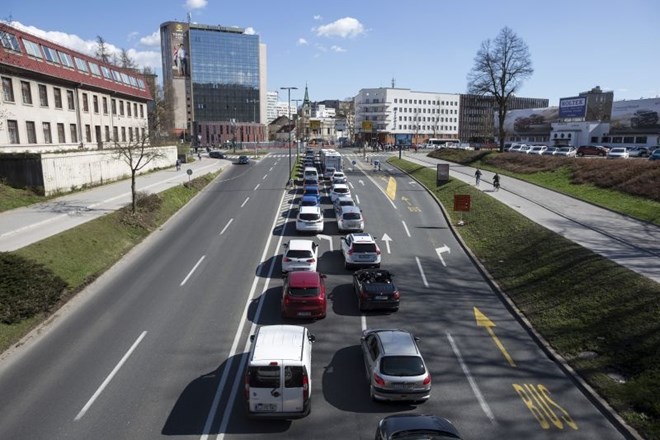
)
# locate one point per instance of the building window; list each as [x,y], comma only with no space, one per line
[114,106]
[105,105]
[130,133]
[128,109]
[47,136]
[616,139]
[31,132]
[107,133]
[60,133]
[143,133]
[606,139]
[7,89]
[121,108]
[88,133]
[85,103]
[57,93]
[95,102]
[629,139]
[12,127]
[123,134]
[69,98]
[135,110]
[9,41]
[115,134]
[73,131]
[27,92]
[32,48]
[142,110]
[43,95]
[640,140]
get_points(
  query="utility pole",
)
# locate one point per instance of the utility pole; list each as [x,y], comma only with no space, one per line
[288,89]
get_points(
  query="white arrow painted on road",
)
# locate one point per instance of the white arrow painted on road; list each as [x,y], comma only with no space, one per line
[412,182]
[386,238]
[326,237]
[442,250]
[361,182]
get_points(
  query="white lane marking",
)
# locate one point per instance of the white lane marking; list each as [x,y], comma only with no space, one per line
[110,376]
[406,228]
[270,169]
[239,331]
[473,383]
[351,185]
[357,199]
[264,178]
[386,238]
[246,200]
[256,187]
[228,223]
[421,272]
[361,182]
[363,321]
[440,251]
[192,270]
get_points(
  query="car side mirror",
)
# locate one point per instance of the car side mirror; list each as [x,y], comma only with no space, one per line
[324,275]
[251,338]
[311,338]
[417,339]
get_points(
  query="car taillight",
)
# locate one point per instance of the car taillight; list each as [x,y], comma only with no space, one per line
[377,250]
[305,381]
[247,386]
[379,380]
[287,259]
[364,294]
[427,379]
[311,260]
[396,295]
[350,251]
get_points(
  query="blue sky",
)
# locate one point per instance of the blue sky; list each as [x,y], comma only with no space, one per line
[338,47]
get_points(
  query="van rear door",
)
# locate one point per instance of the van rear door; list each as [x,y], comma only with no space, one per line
[296,388]
[264,385]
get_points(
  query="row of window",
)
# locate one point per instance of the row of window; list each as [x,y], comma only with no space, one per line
[620,140]
[424,119]
[134,133]
[426,127]
[413,101]
[26,93]
[41,52]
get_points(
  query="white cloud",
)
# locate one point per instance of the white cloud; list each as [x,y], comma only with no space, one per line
[317,17]
[302,42]
[151,40]
[337,49]
[196,4]
[132,36]
[344,27]
[250,31]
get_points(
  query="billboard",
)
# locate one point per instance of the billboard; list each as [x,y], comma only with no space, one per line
[530,120]
[367,126]
[575,107]
[638,116]
[178,47]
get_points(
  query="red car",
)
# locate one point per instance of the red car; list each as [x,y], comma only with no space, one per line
[303,295]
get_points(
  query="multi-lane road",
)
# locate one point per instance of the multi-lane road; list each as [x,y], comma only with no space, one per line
[156,347]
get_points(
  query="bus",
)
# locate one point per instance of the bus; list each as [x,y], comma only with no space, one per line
[442,143]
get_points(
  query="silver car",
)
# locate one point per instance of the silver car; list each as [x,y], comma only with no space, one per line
[394,366]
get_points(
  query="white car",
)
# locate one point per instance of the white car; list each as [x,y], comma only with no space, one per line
[309,219]
[299,255]
[350,218]
[537,149]
[342,201]
[339,177]
[618,153]
[565,151]
[339,190]
[360,250]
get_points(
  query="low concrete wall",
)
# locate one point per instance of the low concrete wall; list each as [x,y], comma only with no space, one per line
[68,171]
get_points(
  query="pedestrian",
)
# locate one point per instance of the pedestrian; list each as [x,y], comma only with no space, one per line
[199,155]
[496,182]
[178,164]
[477,176]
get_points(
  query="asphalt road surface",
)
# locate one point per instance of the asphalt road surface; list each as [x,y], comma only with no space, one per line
[157,347]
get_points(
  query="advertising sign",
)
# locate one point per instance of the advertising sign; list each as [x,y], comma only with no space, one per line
[575,107]
[531,120]
[462,202]
[638,116]
[442,173]
[367,126]
[178,45]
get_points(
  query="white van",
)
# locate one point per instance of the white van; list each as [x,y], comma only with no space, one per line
[278,383]
[310,173]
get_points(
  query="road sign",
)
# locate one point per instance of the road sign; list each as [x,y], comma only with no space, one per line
[462,202]
[442,174]
[189,171]
[353,162]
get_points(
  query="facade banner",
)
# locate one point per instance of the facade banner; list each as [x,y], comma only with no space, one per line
[178,45]
[638,116]
[575,107]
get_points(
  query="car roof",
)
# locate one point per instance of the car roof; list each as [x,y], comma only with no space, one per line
[362,237]
[308,198]
[278,342]
[309,209]
[310,188]
[349,208]
[299,244]
[339,185]
[303,278]
[397,342]
[403,422]
[344,198]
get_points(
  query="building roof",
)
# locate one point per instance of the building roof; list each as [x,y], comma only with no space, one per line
[45,58]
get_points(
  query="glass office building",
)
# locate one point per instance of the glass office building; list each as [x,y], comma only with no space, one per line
[213,74]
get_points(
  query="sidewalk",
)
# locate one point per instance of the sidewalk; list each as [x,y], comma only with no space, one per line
[631,243]
[23,226]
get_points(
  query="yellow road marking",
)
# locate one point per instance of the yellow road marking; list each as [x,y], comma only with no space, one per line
[537,399]
[391,188]
[483,321]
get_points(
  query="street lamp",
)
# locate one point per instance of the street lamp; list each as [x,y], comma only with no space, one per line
[288,89]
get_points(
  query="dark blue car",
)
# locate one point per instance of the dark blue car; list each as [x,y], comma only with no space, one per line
[312,191]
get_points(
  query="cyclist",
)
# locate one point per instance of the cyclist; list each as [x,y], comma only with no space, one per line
[477,176]
[496,182]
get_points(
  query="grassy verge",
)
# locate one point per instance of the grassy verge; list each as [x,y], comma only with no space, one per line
[580,302]
[11,198]
[81,254]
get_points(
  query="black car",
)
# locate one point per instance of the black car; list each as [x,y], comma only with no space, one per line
[375,289]
[217,154]
[243,160]
[415,426]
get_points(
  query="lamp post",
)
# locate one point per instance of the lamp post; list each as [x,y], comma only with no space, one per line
[288,89]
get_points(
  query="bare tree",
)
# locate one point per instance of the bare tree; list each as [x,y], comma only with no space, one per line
[499,69]
[137,154]
[126,61]
[102,51]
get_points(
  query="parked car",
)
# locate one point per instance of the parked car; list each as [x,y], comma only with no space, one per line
[655,155]
[524,149]
[375,289]
[350,218]
[309,219]
[537,149]
[328,173]
[515,148]
[303,295]
[618,153]
[394,366]
[299,255]
[360,249]
[217,154]
[415,426]
[591,150]
[550,151]
[639,152]
[339,189]
[565,151]
[243,160]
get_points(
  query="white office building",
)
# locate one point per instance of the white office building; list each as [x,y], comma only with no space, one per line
[271,106]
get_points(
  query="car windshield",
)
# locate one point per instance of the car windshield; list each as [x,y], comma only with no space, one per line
[380,288]
[299,253]
[340,190]
[308,203]
[304,291]
[402,366]
[309,217]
